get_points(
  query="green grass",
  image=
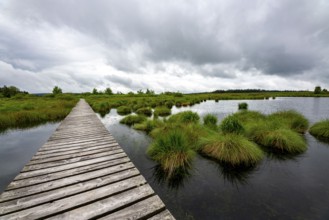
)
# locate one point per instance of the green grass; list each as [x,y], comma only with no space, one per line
[162,111]
[210,121]
[232,149]
[171,151]
[124,110]
[246,117]
[144,111]
[231,124]
[243,106]
[291,119]
[133,119]
[320,129]
[148,125]
[276,137]
[31,111]
[102,107]
[184,117]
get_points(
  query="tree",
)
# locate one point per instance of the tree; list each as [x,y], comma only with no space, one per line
[95,92]
[9,91]
[317,90]
[57,90]
[108,91]
[140,92]
[149,92]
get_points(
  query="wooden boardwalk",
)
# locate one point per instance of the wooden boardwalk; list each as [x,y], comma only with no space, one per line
[81,173]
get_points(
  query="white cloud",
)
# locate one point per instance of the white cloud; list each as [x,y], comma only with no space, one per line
[179,46]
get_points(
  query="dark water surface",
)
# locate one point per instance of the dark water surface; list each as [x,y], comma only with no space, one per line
[17,147]
[278,188]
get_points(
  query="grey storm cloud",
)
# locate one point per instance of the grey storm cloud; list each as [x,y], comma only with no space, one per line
[133,44]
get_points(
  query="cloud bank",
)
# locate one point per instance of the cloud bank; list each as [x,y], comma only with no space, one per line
[187,46]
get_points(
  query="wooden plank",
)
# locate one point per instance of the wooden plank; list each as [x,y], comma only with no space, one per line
[165,215]
[33,173]
[66,173]
[73,155]
[70,202]
[142,209]
[108,204]
[114,154]
[49,196]
[80,146]
[34,189]
[86,149]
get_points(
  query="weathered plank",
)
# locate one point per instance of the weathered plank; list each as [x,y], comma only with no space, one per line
[47,209]
[66,173]
[48,196]
[25,191]
[107,204]
[139,210]
[115,154]
[40,172]
[165,215]
[73,155]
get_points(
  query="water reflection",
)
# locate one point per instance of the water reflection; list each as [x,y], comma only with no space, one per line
[277,155]
[236,175]
[175,181]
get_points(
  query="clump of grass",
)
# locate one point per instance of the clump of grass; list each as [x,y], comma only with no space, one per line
[243,106]
[132,119]
[124,110]
[102,107]
[148,125]
[210,121]
[169,104]
[320,129]
[162,111]
[171,151]
[276,137]
[185,117]
[249,116]
[232,149]
[144,111]
[231,124]
[292,119]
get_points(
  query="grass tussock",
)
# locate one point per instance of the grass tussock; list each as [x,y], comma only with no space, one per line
[124,110]
[133,119]
[291,119]
[243,106]
[148,125]
[246,117]
[232,149]
[162,111]
[144,111]
[185,117]
[231,124]
[210,121]
[279,139]
[171,151]
[320,129]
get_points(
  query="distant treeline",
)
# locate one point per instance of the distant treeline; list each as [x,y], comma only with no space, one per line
[254,91]
[9,91]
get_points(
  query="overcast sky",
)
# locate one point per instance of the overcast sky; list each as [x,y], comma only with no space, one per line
[171,45]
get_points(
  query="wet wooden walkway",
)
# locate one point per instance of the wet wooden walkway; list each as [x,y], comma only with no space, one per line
[81,172]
